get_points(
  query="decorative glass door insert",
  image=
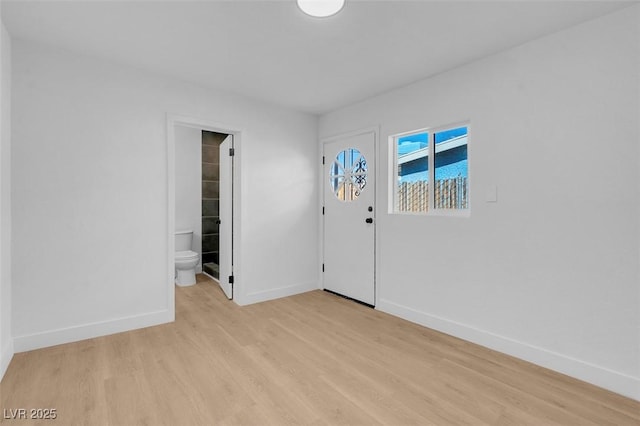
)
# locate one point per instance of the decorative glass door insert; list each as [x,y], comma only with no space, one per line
[348,174]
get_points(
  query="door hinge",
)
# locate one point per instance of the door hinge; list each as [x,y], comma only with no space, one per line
[322,209]
[323,267]
[323,159]
[230,279]
[232,152]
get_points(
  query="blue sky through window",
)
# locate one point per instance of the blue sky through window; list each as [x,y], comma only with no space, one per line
[411,143]
[450,134]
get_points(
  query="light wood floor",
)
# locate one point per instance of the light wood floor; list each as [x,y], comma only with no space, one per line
[312,359]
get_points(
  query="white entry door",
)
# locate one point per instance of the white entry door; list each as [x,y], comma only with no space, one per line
[226,217]
[349,216]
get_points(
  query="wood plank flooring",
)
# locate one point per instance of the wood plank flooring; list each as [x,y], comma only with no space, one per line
[310,359]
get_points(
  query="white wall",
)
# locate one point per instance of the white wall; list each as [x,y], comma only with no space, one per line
[188,200]
[549,273]
[90,207]
[6,340]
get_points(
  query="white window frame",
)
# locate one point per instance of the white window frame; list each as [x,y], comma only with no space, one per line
[393,166]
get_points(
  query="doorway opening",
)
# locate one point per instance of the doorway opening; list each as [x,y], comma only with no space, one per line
[203,178]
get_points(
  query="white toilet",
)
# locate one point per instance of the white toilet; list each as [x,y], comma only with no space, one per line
[186,259]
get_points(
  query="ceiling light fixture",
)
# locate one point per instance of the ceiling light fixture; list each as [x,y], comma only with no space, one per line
[320,8]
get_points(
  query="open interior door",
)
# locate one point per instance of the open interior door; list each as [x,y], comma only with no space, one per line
[226,217]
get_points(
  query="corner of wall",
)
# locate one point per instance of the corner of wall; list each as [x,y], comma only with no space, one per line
[6,339]
[6,355]
[276,293]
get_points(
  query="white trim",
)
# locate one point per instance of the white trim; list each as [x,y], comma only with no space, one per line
[88,331]
[320,180]
[376,216]
[614,381]
[198,123]
[277,293]
[171,217]
[6,355]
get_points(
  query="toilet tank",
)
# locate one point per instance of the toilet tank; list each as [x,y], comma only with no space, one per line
[183,240]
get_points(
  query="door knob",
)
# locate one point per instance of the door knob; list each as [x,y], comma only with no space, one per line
[369,220]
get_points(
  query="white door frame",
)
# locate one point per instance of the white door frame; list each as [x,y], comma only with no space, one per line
[174,120]
[323,181]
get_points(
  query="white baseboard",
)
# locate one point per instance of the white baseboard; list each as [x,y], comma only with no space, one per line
[6,354]
[276,293]
[87,331]
[614,381]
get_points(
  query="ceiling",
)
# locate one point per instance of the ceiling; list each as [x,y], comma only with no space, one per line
[271,51]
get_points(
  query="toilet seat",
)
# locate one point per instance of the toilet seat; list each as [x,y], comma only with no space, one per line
[186,255]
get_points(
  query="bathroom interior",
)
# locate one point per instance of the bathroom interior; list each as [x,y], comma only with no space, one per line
[197,156]
[211,202]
